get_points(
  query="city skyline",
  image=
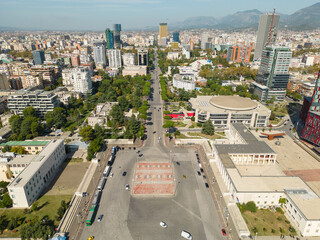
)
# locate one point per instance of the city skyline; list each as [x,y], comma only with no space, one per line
[135,14]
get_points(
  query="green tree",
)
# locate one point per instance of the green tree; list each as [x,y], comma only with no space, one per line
[251,206]
[168,124]
[116,115]
[15,123]
[18,149]
[6,200]
[208,128]
[6,148]
[29,112]
[124,103]
[133,125]
[35,206]
[87,133]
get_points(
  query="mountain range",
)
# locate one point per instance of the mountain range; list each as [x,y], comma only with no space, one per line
[304,19]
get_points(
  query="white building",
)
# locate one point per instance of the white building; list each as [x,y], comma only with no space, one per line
[128,59]
[186,51]
[185,82]
[100,114]
[81,80]
[37,175]
[133,70]
[173,55]
[225,110]
[114,58]
[99,54]
[67,76]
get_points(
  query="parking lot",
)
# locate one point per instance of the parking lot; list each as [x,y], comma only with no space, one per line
[128,217]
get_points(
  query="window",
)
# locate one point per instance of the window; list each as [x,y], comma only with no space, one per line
[12,196]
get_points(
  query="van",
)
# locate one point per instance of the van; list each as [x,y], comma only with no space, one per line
[186,235]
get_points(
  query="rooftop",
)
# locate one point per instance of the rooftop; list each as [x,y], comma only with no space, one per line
[233,103]
[25,143]
[306,202]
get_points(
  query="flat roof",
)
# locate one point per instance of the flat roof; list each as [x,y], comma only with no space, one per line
[307,203]
[233,103]
[265,183]
[228,104]
[25,143]
[35,164]
[252,146]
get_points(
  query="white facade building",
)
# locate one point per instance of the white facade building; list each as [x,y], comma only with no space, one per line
[128,59]
[173,55]
[99,54]
[114,58]
[29,184]
[81,80]
[133,70]
[185,82]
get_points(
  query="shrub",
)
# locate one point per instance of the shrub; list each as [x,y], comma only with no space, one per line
[279,218]
[251,206]
[288,222]
[273,231]
[264,229]
[279,210]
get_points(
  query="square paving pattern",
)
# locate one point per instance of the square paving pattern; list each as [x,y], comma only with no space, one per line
[153,179]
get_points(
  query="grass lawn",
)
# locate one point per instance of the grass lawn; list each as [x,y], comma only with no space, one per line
[48,205]
[198,134]
[267,223]
[275,121]
[179,124]
[182,136]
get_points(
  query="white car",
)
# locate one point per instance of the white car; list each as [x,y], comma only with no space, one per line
[127,187]
[186,235]
[163,224]
[111,174]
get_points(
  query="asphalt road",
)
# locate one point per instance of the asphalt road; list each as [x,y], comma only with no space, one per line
[127,217]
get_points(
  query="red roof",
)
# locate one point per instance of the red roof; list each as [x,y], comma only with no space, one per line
[191,114]
[176,115]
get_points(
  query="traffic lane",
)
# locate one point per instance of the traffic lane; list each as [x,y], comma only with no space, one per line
[114,201]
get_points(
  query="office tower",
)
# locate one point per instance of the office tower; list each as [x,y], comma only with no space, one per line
[176,36]
[311,130]
[143,57]
[4,83]
[267,33]
[38,57]
[75,60]
[81,80]
[239,53]
[116,35]
[205,41]
[114,58]
[109,38]
[163,32]
[99,54]
[273,73]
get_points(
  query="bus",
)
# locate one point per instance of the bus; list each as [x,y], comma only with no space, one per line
[96,198]
[106,171]
[101,184]
[111,160]
[90,217]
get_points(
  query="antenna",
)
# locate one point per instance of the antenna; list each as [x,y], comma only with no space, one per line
[274,11]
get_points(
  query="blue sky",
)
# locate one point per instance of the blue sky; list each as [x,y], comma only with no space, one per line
[99,14]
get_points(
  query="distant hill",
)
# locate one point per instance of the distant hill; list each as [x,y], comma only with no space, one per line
[305,19]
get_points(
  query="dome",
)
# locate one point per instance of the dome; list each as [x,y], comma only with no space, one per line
[234,103]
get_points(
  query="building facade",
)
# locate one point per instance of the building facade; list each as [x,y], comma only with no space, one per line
[109,39]
[29,184]
[267,33]
[116,35]
[239,53]
[128,59]
[4,82]
[99,54]
[81,80]
[184,81]
[143,57]
[114,58]
[176,37]
[38,57]
[163,33]
[42,101]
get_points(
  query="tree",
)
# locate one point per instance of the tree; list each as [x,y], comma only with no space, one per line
[123,103]
[6,148]
[282,201]
[35,206]
[86,133]
[15,124]
[251,206]
[6,200]
[18,149]
[133,125]
[168,124]
[29,112]
[60,213]
[116,115]
[13,223]
[208,128]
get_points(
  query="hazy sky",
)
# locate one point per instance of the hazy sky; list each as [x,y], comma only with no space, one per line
[99,14]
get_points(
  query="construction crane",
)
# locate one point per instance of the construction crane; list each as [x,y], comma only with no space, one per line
[274,11]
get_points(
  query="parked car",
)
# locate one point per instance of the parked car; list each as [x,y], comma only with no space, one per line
[223,232]
[186,235]
[127,187]
[199,173]
[163,224]
[124,173]
[100,217]
[207,185]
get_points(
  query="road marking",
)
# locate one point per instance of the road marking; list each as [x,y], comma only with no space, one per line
[193,214]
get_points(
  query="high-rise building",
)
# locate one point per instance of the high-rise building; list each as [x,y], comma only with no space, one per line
[176,37]
[239,53]
[4,83]
[75,60]
[273,73]
[163,32]
[109,38]
[116,35]
[206,41]
[99,54]
[128,59]
[311,130]
[142,57]
[81,80]
[267,33]
[38,57]
[114,58]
